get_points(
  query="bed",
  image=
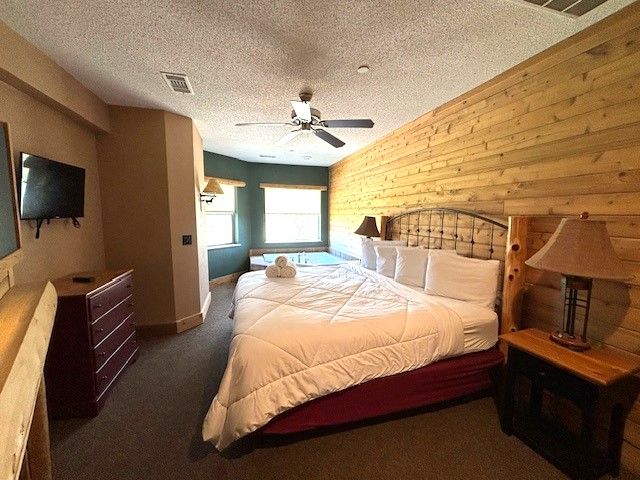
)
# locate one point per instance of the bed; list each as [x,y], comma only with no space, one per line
[341,343]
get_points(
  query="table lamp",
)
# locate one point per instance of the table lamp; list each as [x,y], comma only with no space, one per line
[580,250]
[368,228]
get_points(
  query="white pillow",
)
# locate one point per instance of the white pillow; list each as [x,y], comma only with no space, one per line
[469,279]
[368,258]
[411,265]
[386,260]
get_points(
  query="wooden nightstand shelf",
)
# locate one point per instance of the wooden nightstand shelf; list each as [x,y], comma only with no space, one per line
[591,380]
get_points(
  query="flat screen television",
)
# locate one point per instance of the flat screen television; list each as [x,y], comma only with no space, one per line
[50,189]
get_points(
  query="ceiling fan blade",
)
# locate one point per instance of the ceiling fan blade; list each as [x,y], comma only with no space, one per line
[327,137]
[266,124]
[355,123]
[288,137]
[302,109]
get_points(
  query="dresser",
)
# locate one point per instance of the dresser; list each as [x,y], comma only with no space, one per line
[93,341]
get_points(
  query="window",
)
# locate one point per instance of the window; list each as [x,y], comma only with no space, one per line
[292,215]
[221,217]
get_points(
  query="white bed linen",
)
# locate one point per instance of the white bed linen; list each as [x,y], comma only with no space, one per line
[325,330]
[479,324]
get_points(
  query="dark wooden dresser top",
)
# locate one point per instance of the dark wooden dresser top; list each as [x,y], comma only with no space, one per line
[66,287]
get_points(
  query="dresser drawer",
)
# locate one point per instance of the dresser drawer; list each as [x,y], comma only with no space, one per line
[104,301]
[101,328]
[103,352]
[115,365]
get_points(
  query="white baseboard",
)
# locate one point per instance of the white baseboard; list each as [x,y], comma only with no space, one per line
[205,307]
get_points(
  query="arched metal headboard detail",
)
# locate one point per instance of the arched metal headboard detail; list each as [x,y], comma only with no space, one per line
[469,233]
[473,235]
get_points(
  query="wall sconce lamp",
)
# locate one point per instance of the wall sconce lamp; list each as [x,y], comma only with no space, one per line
[210,191]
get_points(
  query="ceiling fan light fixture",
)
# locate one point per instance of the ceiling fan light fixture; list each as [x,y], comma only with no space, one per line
[308,120]
[363,69]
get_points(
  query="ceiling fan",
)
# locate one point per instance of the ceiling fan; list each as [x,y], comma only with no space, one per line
[309,120]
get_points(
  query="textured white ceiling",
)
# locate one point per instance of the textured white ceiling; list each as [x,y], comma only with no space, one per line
[247,59]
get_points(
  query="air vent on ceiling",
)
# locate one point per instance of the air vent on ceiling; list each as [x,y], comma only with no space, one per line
[178,82]
[571,7]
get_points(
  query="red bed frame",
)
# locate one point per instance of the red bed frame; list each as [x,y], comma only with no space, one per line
[435,383]
[438,382]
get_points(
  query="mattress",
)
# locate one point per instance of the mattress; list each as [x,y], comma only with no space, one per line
[480,324]
[325,330]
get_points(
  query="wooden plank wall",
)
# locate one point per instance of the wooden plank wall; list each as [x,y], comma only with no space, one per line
[554,136]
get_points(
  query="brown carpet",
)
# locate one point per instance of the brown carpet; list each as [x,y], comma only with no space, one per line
[150,429]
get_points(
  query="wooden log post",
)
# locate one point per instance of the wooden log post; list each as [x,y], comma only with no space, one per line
[27,313]
[513,285]
[37,459]
[383,227]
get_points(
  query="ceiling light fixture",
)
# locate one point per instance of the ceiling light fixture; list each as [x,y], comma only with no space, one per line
[363,69]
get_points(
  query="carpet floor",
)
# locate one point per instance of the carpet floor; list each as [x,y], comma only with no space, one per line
[150,429]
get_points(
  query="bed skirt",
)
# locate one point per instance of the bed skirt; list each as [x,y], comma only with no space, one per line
[438,382]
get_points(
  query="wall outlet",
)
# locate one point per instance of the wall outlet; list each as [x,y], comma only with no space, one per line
[186,239]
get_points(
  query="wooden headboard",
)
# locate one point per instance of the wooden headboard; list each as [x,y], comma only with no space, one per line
[472,235]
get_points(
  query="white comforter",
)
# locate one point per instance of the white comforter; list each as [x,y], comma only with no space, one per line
[325,330]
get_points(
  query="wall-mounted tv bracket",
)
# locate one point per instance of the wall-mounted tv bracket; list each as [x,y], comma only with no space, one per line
[40,221]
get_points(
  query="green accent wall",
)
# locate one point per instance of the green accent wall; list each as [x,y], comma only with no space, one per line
[250,207]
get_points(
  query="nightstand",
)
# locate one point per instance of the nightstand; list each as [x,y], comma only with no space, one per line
[594,380]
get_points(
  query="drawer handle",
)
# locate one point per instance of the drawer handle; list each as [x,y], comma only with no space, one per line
[133,324]
[104,377]
[100,330]
[97,305]
[129,286]
[102,354]
[131,304]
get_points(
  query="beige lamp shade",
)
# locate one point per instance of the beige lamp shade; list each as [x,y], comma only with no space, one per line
[581,248]
[368,228]
[212,187]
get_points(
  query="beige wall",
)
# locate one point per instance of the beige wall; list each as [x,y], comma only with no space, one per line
[39,129]
[554,136]
[51,114]
[184,210]
[27,68]
[133,177]
[199,184]
[148,177]
[144,170]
